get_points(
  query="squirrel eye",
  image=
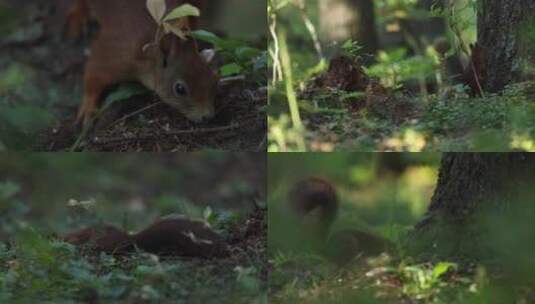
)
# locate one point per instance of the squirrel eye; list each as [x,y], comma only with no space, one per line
[180,89]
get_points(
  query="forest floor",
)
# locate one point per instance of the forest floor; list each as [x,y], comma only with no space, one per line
[344,110]
[39,268]
[42,88]
[36,267]
[312,279]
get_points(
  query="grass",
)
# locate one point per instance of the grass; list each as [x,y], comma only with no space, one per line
[385,280]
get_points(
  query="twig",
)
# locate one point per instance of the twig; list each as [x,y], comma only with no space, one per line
[230,79]
[274,51]
[144,137]
[262,147]
[311,29]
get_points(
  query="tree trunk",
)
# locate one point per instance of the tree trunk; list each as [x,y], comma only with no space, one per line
[482,205]
[469,181]
[341,20]
[503,33]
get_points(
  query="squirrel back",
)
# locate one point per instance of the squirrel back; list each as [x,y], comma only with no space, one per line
[181,236]
[175,236]
[472,74]
[174,68]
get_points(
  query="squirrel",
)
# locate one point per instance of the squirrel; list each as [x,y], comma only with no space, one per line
[472,74]
[475,72]
[174,235]
[315,196]
[179,74]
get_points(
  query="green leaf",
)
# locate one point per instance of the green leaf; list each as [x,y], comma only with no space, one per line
[210,216]
[230,69]
[182,11]
[246,53]
[441,268]
[206,37]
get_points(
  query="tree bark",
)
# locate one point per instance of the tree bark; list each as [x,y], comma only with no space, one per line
[481,200]
[469,181]
[501,28]
[341,20]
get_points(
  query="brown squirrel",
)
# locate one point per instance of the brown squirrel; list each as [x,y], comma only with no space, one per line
[475,72]
[317,197]
[176,70]
[472,74]
[174,235]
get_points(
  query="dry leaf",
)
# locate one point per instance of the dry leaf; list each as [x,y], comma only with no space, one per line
[156,9]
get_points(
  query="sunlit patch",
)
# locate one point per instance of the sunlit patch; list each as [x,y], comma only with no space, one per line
[523,142]
[409,140]
[283,137]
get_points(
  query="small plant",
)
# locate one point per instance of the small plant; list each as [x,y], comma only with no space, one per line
[241,58]
[352,49]
[396,66]
[423,281]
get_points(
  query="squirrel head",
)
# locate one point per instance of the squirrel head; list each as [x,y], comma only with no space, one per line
[441,46]
[315,197]
[184,78]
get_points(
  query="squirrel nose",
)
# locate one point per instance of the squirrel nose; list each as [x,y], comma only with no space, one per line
[202,117]
[206,115]
[201,114]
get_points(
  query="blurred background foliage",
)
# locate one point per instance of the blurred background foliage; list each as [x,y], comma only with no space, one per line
[390,15]
[129,190]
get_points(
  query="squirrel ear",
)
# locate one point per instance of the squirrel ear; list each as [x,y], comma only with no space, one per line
[156,52]
[168,46]
[208,55]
